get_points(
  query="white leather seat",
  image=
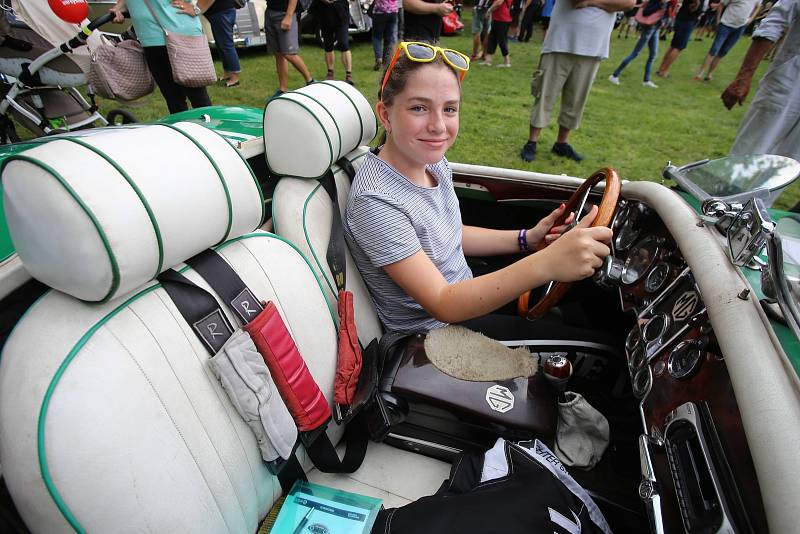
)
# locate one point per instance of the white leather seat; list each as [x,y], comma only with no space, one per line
[110,418]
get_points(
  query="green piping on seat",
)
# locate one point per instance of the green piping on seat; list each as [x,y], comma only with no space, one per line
[115,277]
[138,192]
[250,170]
[305,228]
[358,113]
[333,120]
[219,174]
[327,137]
[41,425]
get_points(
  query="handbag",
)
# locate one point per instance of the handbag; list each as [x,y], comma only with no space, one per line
[118,71]
[189,56]
[650,12]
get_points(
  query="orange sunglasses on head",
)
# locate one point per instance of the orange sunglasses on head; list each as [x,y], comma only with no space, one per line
[425,53]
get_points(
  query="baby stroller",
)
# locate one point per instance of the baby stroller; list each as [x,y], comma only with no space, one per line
[39,86]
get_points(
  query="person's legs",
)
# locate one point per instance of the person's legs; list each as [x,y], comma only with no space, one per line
[637,48]
[652,46]
[282,66]
[300,65]
[730,40]
[161,69]
[389,37]
[502,34]
[491,46]
[722,34]
[222,29]
[379,22]
[198,96]
[573,101]
[343,44]
[669,58]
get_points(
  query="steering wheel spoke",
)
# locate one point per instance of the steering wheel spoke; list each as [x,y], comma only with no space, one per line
[555,291]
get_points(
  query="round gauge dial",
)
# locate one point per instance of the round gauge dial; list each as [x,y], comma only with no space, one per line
[634,338]
[655,280]
[637,358]
[640,259]
[642,381]
[655,327]
[684,360]
[627,226]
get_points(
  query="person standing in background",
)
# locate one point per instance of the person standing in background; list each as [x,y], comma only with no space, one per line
[547,11]
[649,16]
[423,19]
[179,17]
[283,40]
[528,16]
[221,16]
[384,30]
[500,11]
[481,25]
[685,21]
[334,20]
[571,55]
[730,27]
[772,124]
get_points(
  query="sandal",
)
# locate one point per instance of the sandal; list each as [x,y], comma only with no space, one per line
[329,75]
[229,84]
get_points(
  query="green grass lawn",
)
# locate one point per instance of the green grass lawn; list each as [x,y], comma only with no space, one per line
[629,127]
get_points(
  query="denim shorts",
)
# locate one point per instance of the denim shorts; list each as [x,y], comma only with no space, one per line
[725,39]
[683,31]
[481,21]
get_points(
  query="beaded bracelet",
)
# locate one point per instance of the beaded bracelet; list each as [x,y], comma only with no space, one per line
[522,240]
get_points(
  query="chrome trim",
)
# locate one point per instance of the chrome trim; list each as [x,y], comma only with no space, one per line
[652,500]
[688,412]
[692,345]
[424,443]
[646,390]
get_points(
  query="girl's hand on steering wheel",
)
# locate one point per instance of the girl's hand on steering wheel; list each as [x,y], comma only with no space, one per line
[580,251]
[545,233]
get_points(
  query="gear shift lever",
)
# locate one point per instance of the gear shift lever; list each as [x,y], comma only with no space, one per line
[558,370]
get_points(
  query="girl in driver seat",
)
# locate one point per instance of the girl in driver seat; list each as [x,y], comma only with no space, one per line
[403,224]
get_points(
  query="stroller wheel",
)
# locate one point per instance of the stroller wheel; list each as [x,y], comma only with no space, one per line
[8,132]
[120,116]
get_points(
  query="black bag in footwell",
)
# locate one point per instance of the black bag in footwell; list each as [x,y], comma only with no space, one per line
[512,488]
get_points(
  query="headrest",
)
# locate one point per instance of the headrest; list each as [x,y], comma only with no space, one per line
[308,130]
[98,214]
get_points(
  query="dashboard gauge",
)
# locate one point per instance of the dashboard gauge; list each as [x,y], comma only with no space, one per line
[627,226]
[684,360]
[655,280]
[640,259]
[655,327]
[634,338]
[642,381]
[637,358]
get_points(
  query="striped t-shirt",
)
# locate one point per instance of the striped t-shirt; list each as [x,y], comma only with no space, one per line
[389,218]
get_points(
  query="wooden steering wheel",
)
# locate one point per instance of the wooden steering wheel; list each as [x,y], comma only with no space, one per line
[608,205]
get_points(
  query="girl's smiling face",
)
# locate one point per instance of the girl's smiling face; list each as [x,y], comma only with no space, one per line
[422,119]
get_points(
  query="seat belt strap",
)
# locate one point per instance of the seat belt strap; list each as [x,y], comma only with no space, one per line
[335,255]
[200,309]
[229,285]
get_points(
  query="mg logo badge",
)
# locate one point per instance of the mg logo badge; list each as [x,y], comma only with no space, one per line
[499,398]
[685,305]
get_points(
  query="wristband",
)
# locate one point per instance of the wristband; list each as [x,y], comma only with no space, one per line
[522,240]
[197,10]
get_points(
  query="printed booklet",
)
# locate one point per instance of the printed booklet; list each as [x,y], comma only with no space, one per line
[313,509]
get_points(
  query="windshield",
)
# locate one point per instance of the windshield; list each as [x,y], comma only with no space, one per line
[789,230]
[733,175]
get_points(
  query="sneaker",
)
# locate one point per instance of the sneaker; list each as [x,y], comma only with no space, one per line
[312,80]
[485,63]
[613,79]
[565,150]
[276,94]
[504,65]
[649,84]
[528,152]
